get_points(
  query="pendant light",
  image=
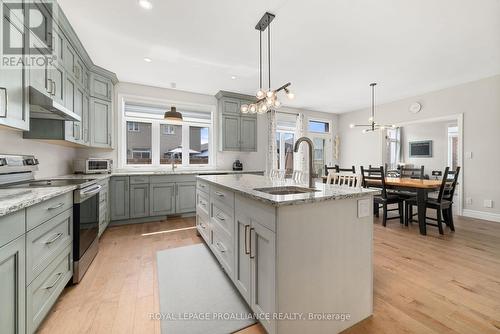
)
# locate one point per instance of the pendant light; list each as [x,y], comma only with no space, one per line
[373,126]
[266,99]
[173,115]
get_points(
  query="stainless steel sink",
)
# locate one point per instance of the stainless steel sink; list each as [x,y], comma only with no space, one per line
[286,190]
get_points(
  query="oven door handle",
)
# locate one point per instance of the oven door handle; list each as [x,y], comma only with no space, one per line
[92,191]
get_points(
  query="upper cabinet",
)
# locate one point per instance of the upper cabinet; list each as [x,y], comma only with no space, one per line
[13,77]
[59,68]
[237,131]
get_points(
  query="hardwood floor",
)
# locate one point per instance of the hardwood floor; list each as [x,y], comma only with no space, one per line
[422,284]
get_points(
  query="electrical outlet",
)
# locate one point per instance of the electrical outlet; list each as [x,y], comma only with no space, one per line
[468,200]
[468,155]
[488,203]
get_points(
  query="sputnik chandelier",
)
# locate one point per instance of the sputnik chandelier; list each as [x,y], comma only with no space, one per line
[266,100]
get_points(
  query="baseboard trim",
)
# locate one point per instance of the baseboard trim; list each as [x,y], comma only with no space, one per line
[494,217]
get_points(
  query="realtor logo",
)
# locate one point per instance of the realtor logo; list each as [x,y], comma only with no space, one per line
[27,35]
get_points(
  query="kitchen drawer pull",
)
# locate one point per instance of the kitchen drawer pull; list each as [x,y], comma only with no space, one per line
[202,185]
[55,206]
[219,194]
[220,218]
[53,239]
[220,247]
[59,276]
[203,226]
[251,256]
[246,240]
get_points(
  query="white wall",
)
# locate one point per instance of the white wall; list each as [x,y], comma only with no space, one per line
[224,160]
[478,101]
[54,159]
[437,132]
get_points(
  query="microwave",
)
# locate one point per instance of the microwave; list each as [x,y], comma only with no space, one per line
[92,166]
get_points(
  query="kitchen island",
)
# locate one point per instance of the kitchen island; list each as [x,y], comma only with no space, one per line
[301,258]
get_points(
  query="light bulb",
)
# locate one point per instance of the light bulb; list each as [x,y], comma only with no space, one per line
[253,108]
[260,94]
[351,126]
[244,108]
[393,126]
[365,130]
[262,109]
[370,119]
[290,95]
[269,101]
[270,94]
[277,103]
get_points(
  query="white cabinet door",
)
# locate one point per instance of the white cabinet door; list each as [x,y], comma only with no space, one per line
[263,258]
[242,274]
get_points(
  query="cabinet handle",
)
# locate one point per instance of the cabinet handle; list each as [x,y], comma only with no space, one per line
[246,240]
[219,194]
[250,237]
[203,226]
[49,88]
[55,206]
[53,239]
[220,247]
[6,100]
[220,218]
[55,88]
[59,276]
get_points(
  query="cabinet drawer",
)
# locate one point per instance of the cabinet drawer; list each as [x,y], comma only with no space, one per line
[203,186]
[202,203]
[12,226]
[139,179]
[203,226]
[37,214]
[43,292]
[224,196]
[223,219]
[223,250]
[45,243]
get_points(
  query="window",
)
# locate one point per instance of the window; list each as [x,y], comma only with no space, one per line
[393,148]
[133,126]
[151,140]
[319,126]
[284,143]
[453,146]
[139,143]
[319,155]
[198,145]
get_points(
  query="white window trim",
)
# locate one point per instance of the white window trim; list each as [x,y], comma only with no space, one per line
[326,134]
[155,133]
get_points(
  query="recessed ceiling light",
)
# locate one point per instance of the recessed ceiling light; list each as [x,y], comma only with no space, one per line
[147,60]
[233,77]
[146,4]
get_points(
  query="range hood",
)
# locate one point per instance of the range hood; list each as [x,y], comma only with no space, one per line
[42,106]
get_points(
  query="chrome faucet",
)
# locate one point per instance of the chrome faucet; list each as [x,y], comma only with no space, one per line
[311,145]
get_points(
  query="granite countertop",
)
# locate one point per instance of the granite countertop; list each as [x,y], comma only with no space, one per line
[245,185]
[12,200]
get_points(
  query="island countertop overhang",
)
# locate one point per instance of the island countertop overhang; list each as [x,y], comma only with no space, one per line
[246,185]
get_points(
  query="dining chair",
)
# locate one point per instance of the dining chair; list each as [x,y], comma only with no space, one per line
[329,168]
[443,204]
[375,178]
[412,173]
[352,169]
[344,180]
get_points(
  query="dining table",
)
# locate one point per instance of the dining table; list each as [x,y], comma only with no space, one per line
[421,188]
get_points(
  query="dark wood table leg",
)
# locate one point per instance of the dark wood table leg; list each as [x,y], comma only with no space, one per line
[421,199]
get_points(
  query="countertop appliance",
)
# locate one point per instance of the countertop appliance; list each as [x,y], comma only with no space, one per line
[92,166]
[16,171]
[237,165]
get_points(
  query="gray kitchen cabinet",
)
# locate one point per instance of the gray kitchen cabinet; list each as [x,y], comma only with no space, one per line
[101,87]
[139,200]
[14,110]
[237,131]
[185,197]
[69,58]
[100,123]
[13,287]
[86,120]
[230,132]
[242,273]
[248,134]
[119,188]
[56,79]
[162,199]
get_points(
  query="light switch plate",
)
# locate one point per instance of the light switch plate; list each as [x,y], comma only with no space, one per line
[488,203]
[468,155]
[363,208]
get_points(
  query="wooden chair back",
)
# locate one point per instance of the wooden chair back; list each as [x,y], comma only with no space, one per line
[344,179]
[413,173]
[374,177]
[352,169]
[329,168]
[448,185]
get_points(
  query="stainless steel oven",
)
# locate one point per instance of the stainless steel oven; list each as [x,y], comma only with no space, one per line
[85,229]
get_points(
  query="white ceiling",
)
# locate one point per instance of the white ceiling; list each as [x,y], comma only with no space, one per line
[329,49]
